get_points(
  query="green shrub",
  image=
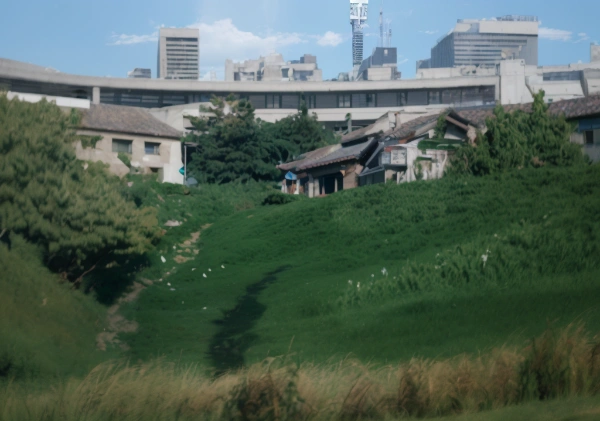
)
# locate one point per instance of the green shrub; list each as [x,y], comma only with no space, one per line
[520,140]
[278,198]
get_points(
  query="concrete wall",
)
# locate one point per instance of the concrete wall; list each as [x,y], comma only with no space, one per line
[513,89]
[168,162]
[58,100]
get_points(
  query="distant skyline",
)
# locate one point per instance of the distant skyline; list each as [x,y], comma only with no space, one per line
[111,38]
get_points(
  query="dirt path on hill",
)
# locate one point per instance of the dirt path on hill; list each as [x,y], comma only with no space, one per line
[116,323]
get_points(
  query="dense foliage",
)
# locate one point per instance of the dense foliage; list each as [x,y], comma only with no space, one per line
[74,211]
[235,146]
[302,132]
[519,140]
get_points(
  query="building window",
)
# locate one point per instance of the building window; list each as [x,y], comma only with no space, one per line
[344,101]
[122,146]
[273,101]
[151,148]
[589,137]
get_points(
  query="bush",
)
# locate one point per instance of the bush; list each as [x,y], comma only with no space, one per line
[280,199]
[520,140]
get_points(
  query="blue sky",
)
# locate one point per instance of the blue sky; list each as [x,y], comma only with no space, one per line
[111,37]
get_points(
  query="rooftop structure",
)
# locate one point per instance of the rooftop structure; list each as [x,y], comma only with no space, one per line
[140,73]
[273,68]
[381,65]
[179,53]
[358,18]
[488,42]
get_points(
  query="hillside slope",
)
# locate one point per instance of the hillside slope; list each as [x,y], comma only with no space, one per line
[46,328]
[276,277]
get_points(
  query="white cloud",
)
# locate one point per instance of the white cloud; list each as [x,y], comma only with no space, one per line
[330,39]
[429,32]
[403,61]
[221,40]
[582,37]
[555,34]
[124,39]
[562,35]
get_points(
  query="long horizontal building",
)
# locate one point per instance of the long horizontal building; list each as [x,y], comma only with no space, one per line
[508,83]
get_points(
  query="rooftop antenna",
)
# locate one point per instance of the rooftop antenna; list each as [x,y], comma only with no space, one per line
[381,30]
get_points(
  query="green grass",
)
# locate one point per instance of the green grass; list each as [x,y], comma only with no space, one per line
[545,272]
[47,330]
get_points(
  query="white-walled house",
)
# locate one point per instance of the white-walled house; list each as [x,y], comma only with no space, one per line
[151,145]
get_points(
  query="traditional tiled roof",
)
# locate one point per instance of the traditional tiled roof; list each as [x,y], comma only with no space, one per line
[362,133]
[412,127]
[576,108]
[340,155]
[571,108]
[309,157]
[131,120]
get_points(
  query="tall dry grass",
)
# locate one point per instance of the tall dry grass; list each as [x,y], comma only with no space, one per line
[557,364]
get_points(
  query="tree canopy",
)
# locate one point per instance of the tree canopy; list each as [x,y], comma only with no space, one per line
[235,146]
[518,140]
[74,211]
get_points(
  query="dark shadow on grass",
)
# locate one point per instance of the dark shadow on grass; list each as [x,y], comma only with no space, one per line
[227,347]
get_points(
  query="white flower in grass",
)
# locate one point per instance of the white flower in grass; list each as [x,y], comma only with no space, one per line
[372,276]
[162,258]
[484,257]
[209,270]
[384,272]
[349,281]
[168,284]
[222,266]
[193,269]
[204,308]
[174,247]
[358,285]
[172,289]
[204,275]
[182,302]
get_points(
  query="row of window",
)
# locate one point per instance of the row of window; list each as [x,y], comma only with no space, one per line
[457,96]
[125,146]
[485,95]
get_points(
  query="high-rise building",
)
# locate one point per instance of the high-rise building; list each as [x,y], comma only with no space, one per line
[358,18]
[138,73]
[595,52]
[488,42]
[179,53]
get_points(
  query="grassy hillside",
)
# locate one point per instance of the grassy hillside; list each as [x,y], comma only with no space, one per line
[47,330]
[285,282]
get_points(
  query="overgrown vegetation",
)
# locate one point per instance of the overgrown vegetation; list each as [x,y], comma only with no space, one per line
[558,364]
[74,211]
[517,139]
[235,146]
[47,330]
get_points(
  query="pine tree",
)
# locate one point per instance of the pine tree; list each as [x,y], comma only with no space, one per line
[74,211]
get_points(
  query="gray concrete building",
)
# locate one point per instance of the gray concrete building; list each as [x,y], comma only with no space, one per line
[273,68]
[595,53]
[381,65]
[487,42]
[138,73]
[179,53]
